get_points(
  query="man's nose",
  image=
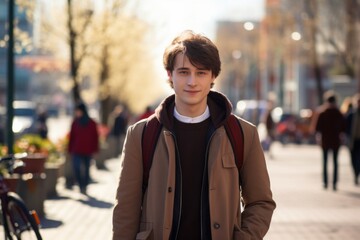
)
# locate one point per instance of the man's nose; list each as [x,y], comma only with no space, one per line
[191,80]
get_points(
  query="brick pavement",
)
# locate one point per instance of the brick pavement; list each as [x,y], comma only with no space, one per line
[305,210]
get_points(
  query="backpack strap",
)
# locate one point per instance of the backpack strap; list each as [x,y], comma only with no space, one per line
[150,136]
[236,137]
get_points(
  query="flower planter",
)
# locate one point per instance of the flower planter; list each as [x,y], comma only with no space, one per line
[34,163]
[53,172]
[32,190]
[12,182]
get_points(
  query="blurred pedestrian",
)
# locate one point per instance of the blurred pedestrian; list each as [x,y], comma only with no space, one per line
[147,113]
[193,185]
[83,143]
[117,124]
[329,124]
[41,123]
[270,128]
[353,133]
[347,106]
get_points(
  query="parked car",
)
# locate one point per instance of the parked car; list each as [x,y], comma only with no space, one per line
[23,119]
[24,116]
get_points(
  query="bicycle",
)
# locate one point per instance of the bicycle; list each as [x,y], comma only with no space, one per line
[18,222]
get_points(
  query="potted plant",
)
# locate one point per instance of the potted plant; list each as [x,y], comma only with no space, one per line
[38,180]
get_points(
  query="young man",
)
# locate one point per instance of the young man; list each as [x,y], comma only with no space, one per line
[193,187]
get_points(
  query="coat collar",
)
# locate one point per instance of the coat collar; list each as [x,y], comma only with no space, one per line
[219,106]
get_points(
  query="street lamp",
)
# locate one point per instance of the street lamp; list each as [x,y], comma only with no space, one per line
[10,79]
[235,84]
[296,36]
[249,26]
[252,55]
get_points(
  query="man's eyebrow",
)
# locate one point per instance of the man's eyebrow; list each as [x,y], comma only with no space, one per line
[203,69]
[186,68]
[181,68]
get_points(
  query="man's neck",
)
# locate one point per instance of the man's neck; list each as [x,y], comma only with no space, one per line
[197,119]
[191,111]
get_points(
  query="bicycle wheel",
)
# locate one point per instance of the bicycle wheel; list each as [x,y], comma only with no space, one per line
[20,223]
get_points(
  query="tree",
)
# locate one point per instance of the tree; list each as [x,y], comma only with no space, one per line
[109,58]
[121,59]
[340,30]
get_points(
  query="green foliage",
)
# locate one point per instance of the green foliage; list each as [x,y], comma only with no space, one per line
[32,143]
[3,150]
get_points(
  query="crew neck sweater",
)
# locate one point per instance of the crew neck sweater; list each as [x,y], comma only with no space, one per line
[191,140]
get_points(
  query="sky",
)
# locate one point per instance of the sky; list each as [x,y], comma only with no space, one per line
[174,16]
[170,17]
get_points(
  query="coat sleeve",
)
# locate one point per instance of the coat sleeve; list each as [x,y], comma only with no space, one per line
[127,209]
[255,185]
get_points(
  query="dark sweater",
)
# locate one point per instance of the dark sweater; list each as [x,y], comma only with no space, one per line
[191,140]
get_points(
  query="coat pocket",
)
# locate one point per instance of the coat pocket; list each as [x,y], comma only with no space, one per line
[146,231]
[145,235]
[241,235]
[228,160]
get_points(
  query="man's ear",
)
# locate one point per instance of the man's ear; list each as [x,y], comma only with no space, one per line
[170,78]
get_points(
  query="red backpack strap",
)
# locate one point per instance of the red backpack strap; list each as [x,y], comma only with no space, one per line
[236,137]
[150,136]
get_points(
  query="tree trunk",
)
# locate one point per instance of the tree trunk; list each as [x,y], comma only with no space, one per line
[350,44]
[312,12]
[357,61]
[357,66]
[106,102]
[73,62]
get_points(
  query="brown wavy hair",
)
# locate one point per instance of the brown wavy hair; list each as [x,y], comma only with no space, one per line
[200,50]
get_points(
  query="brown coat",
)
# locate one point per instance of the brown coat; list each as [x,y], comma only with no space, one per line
[228,221]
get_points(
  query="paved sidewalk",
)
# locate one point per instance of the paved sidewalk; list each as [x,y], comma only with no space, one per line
[73,216]
[304,211]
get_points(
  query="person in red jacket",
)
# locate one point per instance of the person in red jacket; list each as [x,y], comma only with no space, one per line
[83,143]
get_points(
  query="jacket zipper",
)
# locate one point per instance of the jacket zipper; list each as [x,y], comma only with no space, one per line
[202,184]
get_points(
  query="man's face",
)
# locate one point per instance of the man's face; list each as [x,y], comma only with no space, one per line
[191,85]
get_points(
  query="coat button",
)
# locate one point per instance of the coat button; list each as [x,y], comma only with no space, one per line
[216,225]
[169,189]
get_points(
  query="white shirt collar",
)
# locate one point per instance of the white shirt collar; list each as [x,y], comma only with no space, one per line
[186,119]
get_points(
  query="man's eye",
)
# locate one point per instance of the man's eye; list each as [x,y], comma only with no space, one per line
[183,72]
[202,73]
